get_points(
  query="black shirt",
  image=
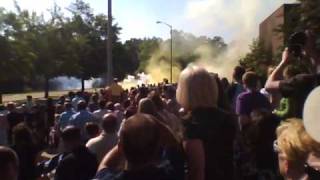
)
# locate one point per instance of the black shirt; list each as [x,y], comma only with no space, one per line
[216,129]
[80,164]
[27,155]
[162,171]
[298,88]
[13,118]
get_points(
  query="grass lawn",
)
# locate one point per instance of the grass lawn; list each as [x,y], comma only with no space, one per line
[36,95]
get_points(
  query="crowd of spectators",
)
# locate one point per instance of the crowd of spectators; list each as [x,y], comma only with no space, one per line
[202,128]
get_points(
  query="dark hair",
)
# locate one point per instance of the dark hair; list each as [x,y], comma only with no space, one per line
[92,129]
[250,79]
[165,81]
[71,94]
[259,135]
[110,106]
[170,91]
[156,99]
[2,107]
[102,104]
[147,106]
[79,93]
[126,103]
[7,157]
[68,105]
[49,102]
[109,123]
[95,97]
[238,73]
[22,135]
[130,111]
[143,92]
[140,137]
[82,105]
[225,83]
[71,134]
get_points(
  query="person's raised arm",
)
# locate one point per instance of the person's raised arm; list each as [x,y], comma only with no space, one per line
[273,82]
[113,160]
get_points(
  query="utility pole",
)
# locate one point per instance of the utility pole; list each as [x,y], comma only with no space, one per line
[171,51]
[171,63]
[109,44]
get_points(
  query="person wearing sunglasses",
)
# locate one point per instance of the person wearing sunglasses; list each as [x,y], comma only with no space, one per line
[312,164]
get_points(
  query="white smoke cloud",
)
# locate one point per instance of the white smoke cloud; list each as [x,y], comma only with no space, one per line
[239,18]
[235,16]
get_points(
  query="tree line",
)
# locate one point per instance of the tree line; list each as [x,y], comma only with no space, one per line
[35,49]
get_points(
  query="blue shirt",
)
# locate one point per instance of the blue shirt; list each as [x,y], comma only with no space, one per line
[80,119]
[64,118]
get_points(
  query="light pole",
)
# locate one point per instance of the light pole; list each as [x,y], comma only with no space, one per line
[109,44]
[160,22]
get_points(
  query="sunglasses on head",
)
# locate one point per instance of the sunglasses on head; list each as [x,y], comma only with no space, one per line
[275,146]
[313,173]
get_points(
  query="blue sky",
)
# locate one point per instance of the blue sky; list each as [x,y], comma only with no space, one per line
[201,17]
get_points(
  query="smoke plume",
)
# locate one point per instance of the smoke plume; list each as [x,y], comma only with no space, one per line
[240,17]
[237,19]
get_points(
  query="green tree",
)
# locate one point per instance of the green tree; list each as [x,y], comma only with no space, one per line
[16,56]
[257,59]
[310,16]
[89,34]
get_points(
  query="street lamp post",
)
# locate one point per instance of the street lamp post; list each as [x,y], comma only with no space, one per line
[170,26]
[109,44]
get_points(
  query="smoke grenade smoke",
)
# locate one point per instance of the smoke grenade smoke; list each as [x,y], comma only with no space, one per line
[240,18]
[71,83]
[159,64]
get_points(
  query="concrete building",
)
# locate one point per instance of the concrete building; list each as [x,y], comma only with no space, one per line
[285,17]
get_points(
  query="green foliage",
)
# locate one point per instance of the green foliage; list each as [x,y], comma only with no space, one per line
[310,16]
[35,49]
[257,59]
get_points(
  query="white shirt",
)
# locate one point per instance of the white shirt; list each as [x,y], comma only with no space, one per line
[102,144]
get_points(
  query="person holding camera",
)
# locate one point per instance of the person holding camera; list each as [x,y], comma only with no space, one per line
[301,46]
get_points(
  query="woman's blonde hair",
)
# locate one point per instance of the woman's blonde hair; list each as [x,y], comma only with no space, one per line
[290,142]
[196,88]
[309,144]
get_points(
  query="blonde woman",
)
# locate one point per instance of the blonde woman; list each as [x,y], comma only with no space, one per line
[209,132]
[298,153]
[292,153]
